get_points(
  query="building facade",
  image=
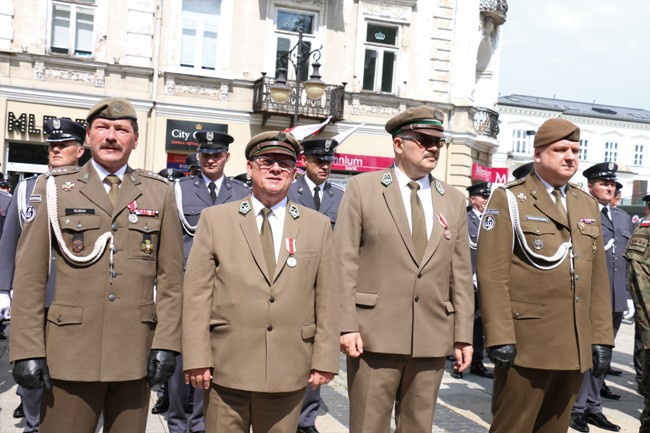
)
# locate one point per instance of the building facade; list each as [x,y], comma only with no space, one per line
[210,64]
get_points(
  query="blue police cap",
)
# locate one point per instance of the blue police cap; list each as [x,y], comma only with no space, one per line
[603,170]
[59,129]
[321,148]
[171,173]
[213,141]
[523,170]
[481,188]
[192,161]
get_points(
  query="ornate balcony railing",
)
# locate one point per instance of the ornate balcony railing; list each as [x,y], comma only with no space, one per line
[486,122]
[495,9]
[331,104]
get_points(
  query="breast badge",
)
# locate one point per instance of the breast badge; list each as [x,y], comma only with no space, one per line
[538,244]
[489,222]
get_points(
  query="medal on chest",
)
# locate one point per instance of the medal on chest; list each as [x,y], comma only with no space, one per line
[291,247]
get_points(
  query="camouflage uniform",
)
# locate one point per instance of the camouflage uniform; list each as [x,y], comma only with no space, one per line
[638,253]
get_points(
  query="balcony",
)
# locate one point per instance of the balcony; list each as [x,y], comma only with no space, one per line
[486,122]
[331,103]
[495,9]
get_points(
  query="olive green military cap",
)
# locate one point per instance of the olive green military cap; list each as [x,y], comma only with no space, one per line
[272,142]
[422,119]
[112,108]
[554,130]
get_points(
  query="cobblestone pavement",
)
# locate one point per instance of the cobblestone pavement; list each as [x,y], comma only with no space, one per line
[463,404]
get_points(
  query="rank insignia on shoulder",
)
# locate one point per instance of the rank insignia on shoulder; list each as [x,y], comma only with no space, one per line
[440,188]
[489,222]
[294,212]
[244,207]
[387,179]
[68,186]
[521,197]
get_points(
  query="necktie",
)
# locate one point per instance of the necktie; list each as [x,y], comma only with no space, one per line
[419,230]
[267,241]
[317,197]
[558,203]
[605,212]
[213,192]
[114,182]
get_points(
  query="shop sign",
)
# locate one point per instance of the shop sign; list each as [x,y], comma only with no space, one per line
[489,174]
[180,134]
[26,122]
[359,163]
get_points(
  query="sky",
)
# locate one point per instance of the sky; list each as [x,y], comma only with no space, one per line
[578,50]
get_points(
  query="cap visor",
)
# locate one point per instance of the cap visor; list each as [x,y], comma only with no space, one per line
[430,132]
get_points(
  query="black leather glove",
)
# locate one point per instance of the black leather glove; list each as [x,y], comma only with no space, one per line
[32,373]
[160,366]
[502,356]
[601,356]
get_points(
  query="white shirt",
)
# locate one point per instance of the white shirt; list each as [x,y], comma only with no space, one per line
[217,183]
[102,172]
[312,185]
[424,193]
[550,188]
[276,220]
[477,213]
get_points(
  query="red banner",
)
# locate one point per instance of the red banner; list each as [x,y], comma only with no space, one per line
[489,174]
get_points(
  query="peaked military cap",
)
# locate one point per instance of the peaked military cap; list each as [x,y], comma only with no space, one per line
[619,186]
[171,173]
[272,142]
[63,129]
[603,170]
[321,148]
[481,188]
[113,109]
[646,199]
[4,183]
[554,130]
[523,170]
[192,161]
[213,141]
[422,119]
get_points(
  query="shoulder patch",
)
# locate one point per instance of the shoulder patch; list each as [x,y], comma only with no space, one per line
[151,174]
[514,182]
[62,170]
[244,207]
[232,179]
[294,212]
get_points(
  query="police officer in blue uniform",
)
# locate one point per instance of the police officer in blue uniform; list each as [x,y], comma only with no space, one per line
[193,194]
[314,191]
[65,140]
[617,229]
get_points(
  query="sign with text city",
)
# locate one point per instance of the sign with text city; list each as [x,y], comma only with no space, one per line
[180,134]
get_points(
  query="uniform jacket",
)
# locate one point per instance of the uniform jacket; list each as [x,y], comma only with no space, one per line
[5,200]
[255,332]
[9,241]
[398,305]
[551,317]
[330,201]
[101,324]
[620,228]
[638,253]
[473,223]
[195,196]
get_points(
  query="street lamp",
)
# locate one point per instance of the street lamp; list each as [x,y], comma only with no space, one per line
[314,87]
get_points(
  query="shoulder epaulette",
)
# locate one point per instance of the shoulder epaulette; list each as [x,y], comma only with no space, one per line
[232,179]
[62,170]
[577,188]
[621,211]
[337,187]
[514,183]
[5,193]
[151,174]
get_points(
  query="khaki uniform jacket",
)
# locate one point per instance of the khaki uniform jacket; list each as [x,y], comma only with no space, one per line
[551,316]
[100,327]
[398,305]
[259,334]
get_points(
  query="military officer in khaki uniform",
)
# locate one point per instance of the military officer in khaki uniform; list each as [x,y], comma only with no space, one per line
[260,300]
[406,277]
[114,231]
[543,286]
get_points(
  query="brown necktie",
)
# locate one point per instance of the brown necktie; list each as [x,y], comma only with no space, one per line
[560,208]
[114,182]
[419,230]
[267,241]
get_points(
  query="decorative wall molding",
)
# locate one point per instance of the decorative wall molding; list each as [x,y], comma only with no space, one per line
[384,10]
[68,75]
[318,3]
[39,71]
[223,91]
[100,78]
[359,108]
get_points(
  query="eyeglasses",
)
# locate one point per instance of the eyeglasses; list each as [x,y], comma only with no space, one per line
[425,141]
[266,163]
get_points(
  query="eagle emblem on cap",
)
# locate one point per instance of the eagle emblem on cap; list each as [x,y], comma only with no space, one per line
[56,123]
[170,172]
[209,135]
[117,107]
[328,144]
[281,136]
[610,167]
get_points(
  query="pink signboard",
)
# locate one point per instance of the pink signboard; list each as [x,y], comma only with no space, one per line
[359,163]
[489,174]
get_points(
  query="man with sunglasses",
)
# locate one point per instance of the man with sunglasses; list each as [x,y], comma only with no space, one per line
[260,306]
[195,193]
[406,280]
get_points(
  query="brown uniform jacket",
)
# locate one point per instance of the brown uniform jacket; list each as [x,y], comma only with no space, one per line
[260,335]
[100,327]
[552,317]
[398,305]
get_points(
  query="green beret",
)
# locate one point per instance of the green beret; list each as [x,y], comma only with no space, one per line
[422,119]
[554,130]
[112,108]
[272,142]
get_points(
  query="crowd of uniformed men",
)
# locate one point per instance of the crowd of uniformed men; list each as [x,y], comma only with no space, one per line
[236,294]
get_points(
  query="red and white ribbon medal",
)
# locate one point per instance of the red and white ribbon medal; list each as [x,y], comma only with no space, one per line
[443,223]
[291,247]
[133,216]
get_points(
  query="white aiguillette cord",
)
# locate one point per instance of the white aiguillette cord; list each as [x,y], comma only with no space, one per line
[189,228]
[100,243]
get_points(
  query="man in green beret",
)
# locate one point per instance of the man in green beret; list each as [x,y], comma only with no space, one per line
[543,287]
[260,307]
[407,296]
[115,233]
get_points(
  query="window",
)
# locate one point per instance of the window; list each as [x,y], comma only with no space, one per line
[611,151]
[288,25]
[582,153]
[522,141]
[72,28]
[380,58]
[200,25]
[638,154]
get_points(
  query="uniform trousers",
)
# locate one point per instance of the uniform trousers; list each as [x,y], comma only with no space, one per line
[478,334]
[530,400]
[184,412]
[31,400]
[229,410]
[310,406]
[377,381]
[75,407]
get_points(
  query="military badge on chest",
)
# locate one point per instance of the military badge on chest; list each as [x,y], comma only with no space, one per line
[147,245]
[291,248]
